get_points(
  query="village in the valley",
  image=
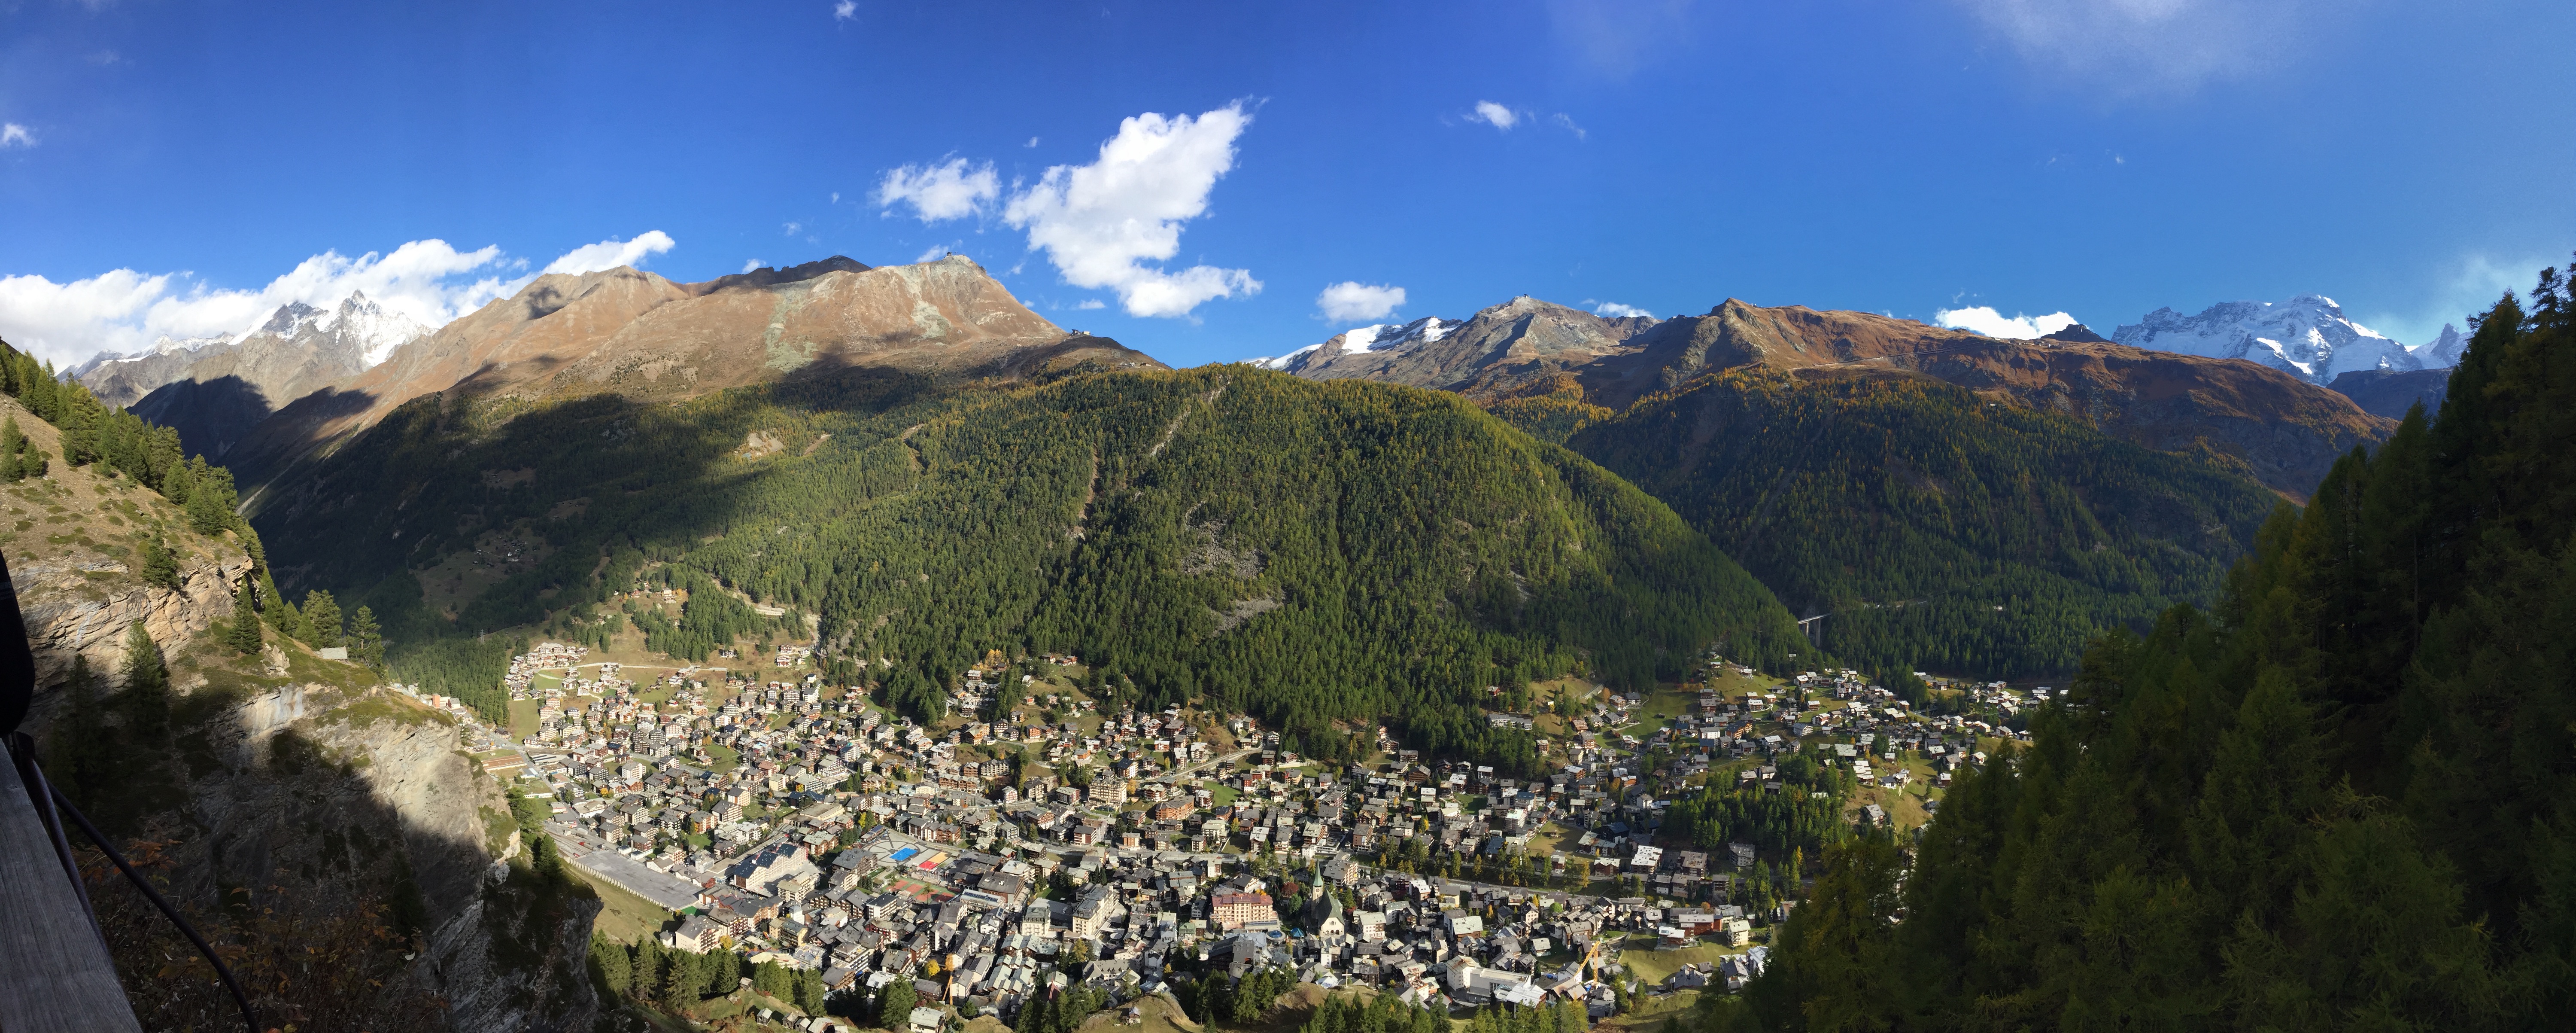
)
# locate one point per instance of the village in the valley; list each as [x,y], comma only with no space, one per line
[1032,841]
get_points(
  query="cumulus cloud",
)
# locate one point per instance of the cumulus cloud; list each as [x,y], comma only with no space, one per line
[845,10]
[14,135]
[1495,115]
[1100,223]
[611,253]
[125,311]
[1991,323]
[1615,310]
[1351,301]
[2151,45]
[950,190]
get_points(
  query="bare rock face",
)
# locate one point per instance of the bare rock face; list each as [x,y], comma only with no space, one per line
[318,805]
[69,614]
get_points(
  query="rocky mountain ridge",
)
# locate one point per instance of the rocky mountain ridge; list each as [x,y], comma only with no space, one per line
[2307,336]
[2273,426]
[641,336]
[292,351]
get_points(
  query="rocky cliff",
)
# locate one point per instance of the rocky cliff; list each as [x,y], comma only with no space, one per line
[339,837]
[73,552]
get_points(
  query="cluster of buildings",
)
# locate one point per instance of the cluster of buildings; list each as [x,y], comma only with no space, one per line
[989,859]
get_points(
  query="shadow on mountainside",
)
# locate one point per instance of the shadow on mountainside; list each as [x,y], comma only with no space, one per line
[335,845]
[210,415]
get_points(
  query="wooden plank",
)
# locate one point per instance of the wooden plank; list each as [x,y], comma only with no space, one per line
[55,976]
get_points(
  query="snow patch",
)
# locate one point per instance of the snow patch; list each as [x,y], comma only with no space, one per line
[2307,336]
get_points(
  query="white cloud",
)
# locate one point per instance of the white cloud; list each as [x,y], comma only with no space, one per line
[949,190]
[14,135]
[1091,303]
[793,227]
[611,253]
[1566,122]
[1494,115]
[934,253]
[1353,302]
[750,264]
[126,311]
[845,10]
[1099,223]
[1033,141]
[1991,323]
[1615,310]
[2153,45]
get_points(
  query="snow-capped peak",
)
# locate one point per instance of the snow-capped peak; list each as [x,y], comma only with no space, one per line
[2308,336]
[1290,361]
[375,330]
[285,321]
[358,323]
[1379,338]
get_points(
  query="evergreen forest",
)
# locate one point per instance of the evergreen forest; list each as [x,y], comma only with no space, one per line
[1321,555]
[2343,797]
[1934,529]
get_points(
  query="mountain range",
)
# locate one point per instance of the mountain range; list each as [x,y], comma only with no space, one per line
[2307,336]
[2081,478]
[2274,427]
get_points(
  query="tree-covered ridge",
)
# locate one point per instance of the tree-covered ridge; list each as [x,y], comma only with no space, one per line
[2343,799]
[1938,529]
[1309,552]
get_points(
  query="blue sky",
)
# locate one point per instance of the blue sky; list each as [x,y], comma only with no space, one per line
[166,167]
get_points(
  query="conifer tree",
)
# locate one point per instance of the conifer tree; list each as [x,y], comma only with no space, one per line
[12,442]
[159,566]
[147,683]
[894,1004]
[366,641]
[322,619]
[246,635]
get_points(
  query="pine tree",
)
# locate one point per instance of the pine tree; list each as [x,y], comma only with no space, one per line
[366,643]
[160,566]
[147,683]
[610,965]
[246,636]
[322,619]
[894,1004]
[12,442]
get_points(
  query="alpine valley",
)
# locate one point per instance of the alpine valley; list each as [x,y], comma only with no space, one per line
[452,644]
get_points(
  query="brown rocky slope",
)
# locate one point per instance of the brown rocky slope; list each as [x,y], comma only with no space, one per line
[643,337]
[2272,427]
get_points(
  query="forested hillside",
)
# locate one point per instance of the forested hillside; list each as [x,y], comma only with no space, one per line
[2344,798]
[1938,529]
[1308,552]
